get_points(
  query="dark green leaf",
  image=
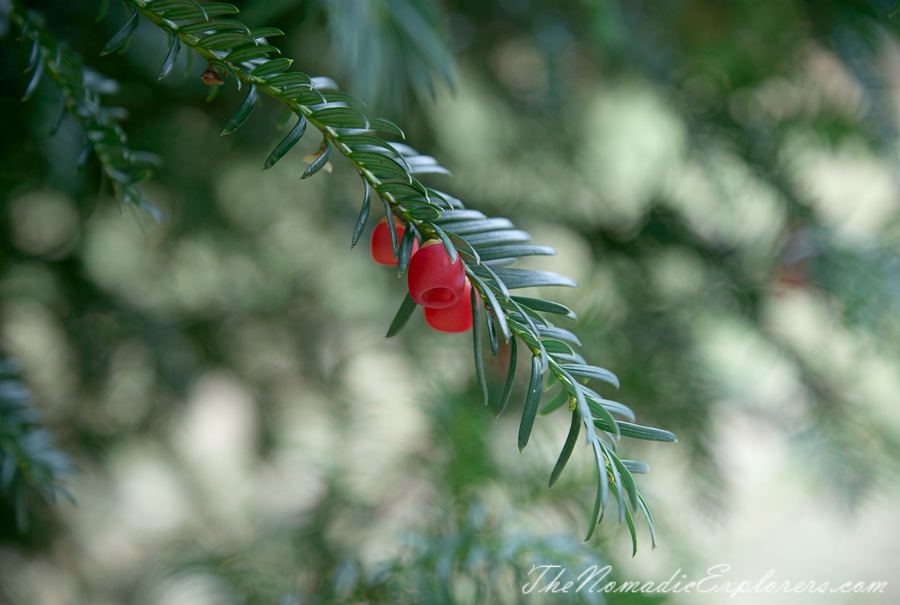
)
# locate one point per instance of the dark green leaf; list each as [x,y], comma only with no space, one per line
[162,5]
[336,96]
[243,112]
[604,416]
[476,340]
[171,57]
[637,431]
[468,250]
[531,317]
[895,10]
[564,358]
[122,35]
[319,162]
[203,27]
[510,376]
[340,117]
[459,215]
[592,372]
[521,310]
[379,165]
[557,346]
[35,79]
[545,306]
[493,238]
[416,201]
[229,69]
[531,402]
[266,32]
[493,302]
[324,83]
[250,52]
[647,514]
[448,245]
[292,79]
[584,413]
[636,467]
[609,423]
[398,190]
[406,246]
[272,67]
[385,126]
[446,200]
[391,227]
[627,480]
[617,485]
[568,447]
[423,213]
[501,286]
[402,317]
[214,9]
[492,333]
[35,52]
[363,216]
[602,489]
[225,40]
[183,13]
[497,252]
[630,520]
[525,278]
[424,164]
[480,225]
[304,95]
[551,331]
[524,332]
[500,262]
[286,143]
[370,143]
[594,399]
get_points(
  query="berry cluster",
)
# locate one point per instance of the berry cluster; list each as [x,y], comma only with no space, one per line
[435,282]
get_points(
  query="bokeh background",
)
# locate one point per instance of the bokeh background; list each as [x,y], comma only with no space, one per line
[720,177]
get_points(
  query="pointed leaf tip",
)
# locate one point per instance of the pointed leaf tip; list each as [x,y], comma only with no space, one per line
[363,216]
[122,35]
[568,447]
[169,62]
[531,402]
[286,143]
[320,161]
[243,112]
[402,317]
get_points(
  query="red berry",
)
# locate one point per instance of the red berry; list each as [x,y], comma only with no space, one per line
[455,318]
[433,280]
[382,247]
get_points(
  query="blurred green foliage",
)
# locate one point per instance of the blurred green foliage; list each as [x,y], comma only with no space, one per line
[719,176]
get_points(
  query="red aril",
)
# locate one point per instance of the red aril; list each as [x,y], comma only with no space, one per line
[455,318]
[434,281]
[382,247]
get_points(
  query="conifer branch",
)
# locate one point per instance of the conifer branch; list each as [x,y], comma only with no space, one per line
[80,90]
[485,245]
[28,461]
